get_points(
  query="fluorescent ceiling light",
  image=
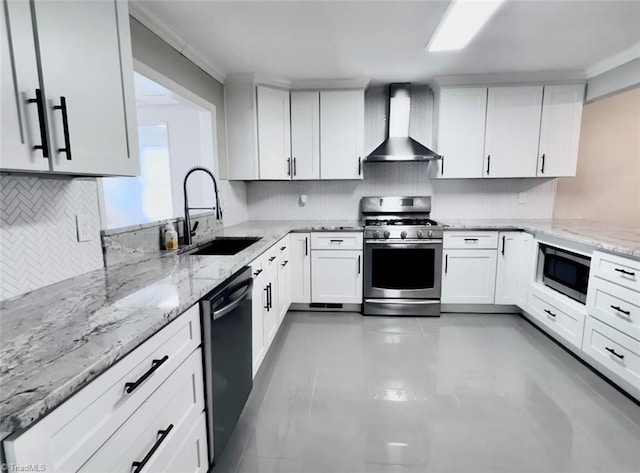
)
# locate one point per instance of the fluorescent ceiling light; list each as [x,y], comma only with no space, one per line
[462,20]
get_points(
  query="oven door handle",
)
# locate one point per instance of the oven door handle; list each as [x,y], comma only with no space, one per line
[404,243]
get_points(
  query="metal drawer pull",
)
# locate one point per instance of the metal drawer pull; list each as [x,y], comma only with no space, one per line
[65,127]
[336,241]
[138,466]
[155,364]
[257,272]
[285,263]
[626,312]
[39,101]
[282,248]
[488,163]
[504,238]
[271,259]
[613,352]
[550,313]
[628,273]
[470,239]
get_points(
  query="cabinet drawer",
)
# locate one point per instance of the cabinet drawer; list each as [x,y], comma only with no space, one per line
[462,239]
[615,305]
[556,315]
[618,270]
[336,241]
[614,350]
[179,401]
[83,423]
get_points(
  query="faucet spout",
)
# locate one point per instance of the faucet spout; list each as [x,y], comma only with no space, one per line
[188,231]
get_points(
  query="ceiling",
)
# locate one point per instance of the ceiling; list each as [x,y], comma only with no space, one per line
[385,40]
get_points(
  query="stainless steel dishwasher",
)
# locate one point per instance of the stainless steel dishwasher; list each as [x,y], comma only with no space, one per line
[226,331]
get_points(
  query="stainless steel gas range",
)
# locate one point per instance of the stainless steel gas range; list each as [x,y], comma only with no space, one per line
[402,257]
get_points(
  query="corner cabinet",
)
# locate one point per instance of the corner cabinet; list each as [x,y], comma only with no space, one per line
[274,133]
[68,117]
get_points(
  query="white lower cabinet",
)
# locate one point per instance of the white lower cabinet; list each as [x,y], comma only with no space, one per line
[115,420]
[528,258]
[258,301]
[284,286]
[336,276]
[468,276]
[614,350]
[508,267]
[300,268]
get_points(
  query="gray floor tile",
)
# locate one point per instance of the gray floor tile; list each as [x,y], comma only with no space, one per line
[480,393]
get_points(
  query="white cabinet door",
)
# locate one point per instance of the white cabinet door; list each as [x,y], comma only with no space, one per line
[274,133]
[300,268]
[305,135]
[468,276]
[284,288]
[341,134]
[512,132]
[508,270]
[20,120]
[270,313]
[461,131]
[258,301]
[528,259]
[560,130]
[336,276]
[87,70]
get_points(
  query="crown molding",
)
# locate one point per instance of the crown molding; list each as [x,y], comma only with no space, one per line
[328,84]
[617,60]
[262,79]
[511,78]
[162,29]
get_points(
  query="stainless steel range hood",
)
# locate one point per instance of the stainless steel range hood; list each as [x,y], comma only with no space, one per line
[399,146]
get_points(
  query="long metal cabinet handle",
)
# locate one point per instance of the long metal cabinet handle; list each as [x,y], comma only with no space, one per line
[488,163]
[442,163]
[155,364]
[44,139]
[295,167]
[359,165]
[446,263]
[138,466]
[266,289]
[65,126]
[270,296]
[306,246]
[288,166]
[504,238]
[358,264]
[542,167]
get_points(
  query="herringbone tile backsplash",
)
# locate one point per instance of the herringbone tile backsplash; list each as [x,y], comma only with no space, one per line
[38,239]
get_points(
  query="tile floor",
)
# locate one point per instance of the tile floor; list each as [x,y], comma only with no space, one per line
[462,393]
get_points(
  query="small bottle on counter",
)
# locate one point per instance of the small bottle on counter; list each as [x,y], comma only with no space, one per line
[170,237]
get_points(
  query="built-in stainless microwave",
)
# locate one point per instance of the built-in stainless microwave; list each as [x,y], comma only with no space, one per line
[565,271]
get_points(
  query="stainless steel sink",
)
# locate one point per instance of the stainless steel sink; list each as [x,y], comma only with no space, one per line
[223,246]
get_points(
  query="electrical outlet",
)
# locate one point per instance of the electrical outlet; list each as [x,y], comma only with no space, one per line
[83,227]
[522,198]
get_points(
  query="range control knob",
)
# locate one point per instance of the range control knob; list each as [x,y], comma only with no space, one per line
[376,234]
[420,234]
[429,233]
[387,233]
[403,234]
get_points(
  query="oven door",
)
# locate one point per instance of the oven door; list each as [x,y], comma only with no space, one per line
[410,269]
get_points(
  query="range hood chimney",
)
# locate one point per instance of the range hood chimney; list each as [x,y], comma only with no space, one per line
[399,146]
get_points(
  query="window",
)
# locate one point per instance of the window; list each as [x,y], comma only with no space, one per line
[174,136]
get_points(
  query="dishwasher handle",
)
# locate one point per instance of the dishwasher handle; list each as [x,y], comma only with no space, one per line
[235,302]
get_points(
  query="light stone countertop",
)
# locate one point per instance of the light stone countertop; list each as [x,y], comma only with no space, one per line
[55,340]
[621,240]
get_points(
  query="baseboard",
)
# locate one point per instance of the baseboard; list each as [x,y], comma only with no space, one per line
[480,309]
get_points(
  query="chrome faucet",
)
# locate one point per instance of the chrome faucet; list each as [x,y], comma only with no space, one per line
[188,231]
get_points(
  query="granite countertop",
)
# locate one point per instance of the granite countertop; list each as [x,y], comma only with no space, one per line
[55,340]
[618,239]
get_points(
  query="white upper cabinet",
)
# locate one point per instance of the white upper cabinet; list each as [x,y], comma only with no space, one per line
[560,130]
[341,134]
[274,133]
[461,131]
[87,87]
[305,135]
[512,131]
[21,132]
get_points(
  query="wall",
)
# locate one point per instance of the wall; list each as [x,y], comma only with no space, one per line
[149,49]
[619,79]
[607,186]
[38,242]
[452,199]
